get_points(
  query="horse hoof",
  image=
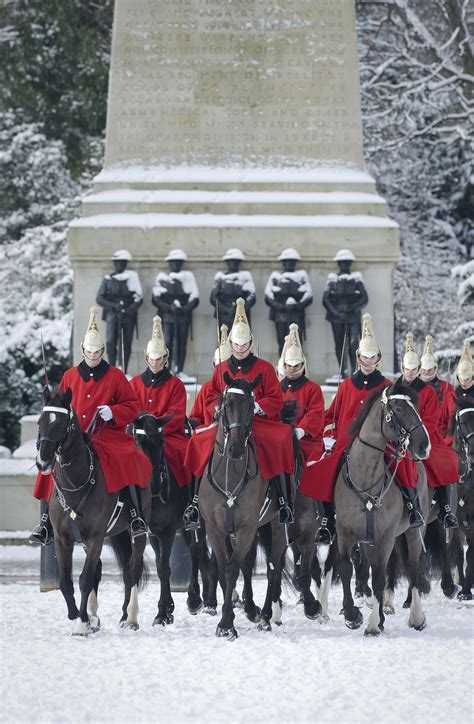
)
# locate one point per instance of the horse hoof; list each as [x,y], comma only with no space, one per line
[163,619]
[264,625]
[255,615]
[94,622]
[194,610]
[227,633]
[355,622]
[130,625]
[419,626]
[389,610]
[210,610]
[81,628]
[464,596]
[313,611]
[372,632]
[451,591]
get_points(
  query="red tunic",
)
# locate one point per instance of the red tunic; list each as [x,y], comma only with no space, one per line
[309,415]
[449,408]
[442,464]
[273,439]
[122,463]
[166,398]
[443,390]
[200,411]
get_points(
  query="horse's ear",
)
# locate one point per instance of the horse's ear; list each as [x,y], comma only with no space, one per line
[162,421]
[394,388]
[67,396]
[46,394]
[227,379]
[255,383]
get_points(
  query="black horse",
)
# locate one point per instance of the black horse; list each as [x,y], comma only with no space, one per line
[168,503]
[82,509]
[233,501]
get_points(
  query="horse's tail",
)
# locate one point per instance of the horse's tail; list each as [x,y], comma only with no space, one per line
[121,545]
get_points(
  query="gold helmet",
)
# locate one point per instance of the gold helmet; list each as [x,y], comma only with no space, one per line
[93,341]
[410,358]
[223,351]
[281,362]
[465,368]
[156,347]
[428,361]
[292,353]
[368,346]
[240,332]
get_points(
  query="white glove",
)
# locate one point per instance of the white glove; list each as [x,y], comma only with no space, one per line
[257,410]
[329,443]
[176,302]
[299,432]
[105,412]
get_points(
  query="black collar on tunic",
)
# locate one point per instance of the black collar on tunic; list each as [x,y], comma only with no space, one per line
[293,385]
[95,373]
[465,393]
[148,378]
[360,380]
[241,364]
[435,383]
[417,384]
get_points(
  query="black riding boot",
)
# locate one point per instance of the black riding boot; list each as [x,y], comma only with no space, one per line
[327,530]
[410,495]
[283,488]
[138,525]
[445,515]
[191,516]
[43,533]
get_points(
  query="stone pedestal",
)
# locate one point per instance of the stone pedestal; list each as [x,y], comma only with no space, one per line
[235,125]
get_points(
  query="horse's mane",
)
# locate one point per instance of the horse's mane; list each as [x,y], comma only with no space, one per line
[461,404]
[397,388]
[241,384]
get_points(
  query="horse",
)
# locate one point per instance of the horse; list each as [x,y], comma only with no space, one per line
[83,509]
[370,508]
[462,425]
[167,507]
[234,503]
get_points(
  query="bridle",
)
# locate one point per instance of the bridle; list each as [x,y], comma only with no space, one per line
[464,440]
[161,472]
[228,426]
[69,426]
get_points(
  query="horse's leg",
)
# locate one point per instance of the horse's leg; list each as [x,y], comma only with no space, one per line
[195,547]
[414,572]
[465,593]
[271,611]
[251,610]
[162,543]
[86,583]
[327,574]
[389,592]
[210,594]
[136,572]
[64,548]
[93,603]
[228,572]
[312,607]
[377,558]
[352,615]
[362,574]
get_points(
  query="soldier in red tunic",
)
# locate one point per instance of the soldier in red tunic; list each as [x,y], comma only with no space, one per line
[309,419]
[272,439]
[464,389]
[319,476]
[441,465]
[101,392]
[429,375]
[161,394]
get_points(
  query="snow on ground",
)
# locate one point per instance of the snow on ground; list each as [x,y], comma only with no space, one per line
[302,671]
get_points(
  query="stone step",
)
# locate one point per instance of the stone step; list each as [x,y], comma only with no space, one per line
[246,203]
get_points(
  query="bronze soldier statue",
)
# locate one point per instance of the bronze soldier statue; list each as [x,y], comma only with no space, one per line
[344,298]
[175,295]
[120,295]
[288,293]
[231,285]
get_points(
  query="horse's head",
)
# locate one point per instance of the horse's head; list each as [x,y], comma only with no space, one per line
[54,423]
[147,431]
[463,424]
[401,421]
[236,416]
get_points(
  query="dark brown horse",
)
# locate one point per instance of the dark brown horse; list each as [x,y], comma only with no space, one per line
[231,499]
[82,509]
[463,427]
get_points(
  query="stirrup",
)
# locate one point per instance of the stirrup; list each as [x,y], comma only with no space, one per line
[324,536]
[137,527]
[416,519]
[191,517]
[41,535]
[286,516]
[449,520]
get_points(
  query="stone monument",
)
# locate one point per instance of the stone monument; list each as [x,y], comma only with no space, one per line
[235,124]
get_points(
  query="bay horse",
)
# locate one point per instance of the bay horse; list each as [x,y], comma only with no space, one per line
[462,424]
[232,494]
[82,509]
[167,507]
[370,507]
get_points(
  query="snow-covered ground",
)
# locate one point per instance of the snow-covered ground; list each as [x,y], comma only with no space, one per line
[303,671]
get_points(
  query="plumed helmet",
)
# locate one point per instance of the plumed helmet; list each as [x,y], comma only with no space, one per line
[281,361]
[240,332]
[223,351]
[156,346]
[121,254]
[344,255]
[289,254]
[234,254]
[465,368]
[410,358]
[93,341]
[292,352]
[177,255]
[428,361]
[368,346]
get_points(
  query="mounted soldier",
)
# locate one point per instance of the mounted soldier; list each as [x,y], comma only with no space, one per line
[319,476]
[464,389]
[288,293]
[161,394]
[272,440]
[429,375]
[120,296]
[228,286]
[175,295]
[105,404]
[442,464]
[344,298]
